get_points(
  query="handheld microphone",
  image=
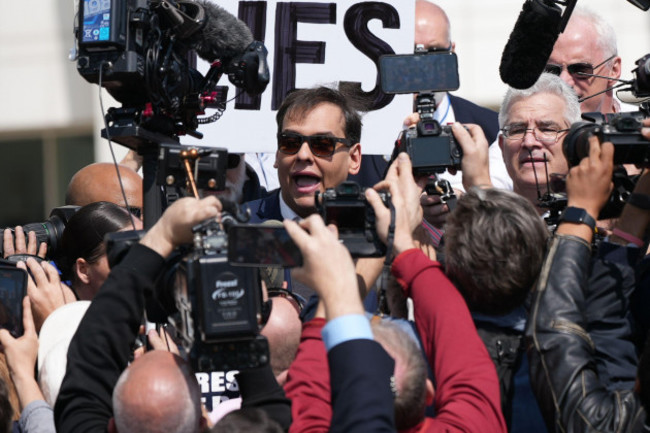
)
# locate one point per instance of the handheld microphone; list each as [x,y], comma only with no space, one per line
[223,35]
[531,43]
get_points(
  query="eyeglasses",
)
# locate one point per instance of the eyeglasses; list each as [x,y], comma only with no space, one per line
[420,48]
[297,301]
[320,145]
[544,134]
[581,71]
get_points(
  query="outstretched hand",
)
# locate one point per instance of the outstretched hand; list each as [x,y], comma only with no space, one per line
[15,243]
[21,354]
[45,290]
[405,196]
[174,228]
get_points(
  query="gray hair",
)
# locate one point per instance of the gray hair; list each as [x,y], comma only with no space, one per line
[410,402]
[546,83]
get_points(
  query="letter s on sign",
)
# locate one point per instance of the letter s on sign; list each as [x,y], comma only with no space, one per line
[356,29]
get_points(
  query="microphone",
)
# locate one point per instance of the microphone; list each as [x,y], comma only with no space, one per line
[531,42]
[223,35]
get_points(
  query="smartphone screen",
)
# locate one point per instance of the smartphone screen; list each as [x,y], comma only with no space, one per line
[13,287]
[259,245]
[413,73]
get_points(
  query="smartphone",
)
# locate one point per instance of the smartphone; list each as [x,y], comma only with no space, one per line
[260,245]
[421,72]
[13,288]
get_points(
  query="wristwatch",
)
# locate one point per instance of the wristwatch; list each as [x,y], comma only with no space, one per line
[579,216]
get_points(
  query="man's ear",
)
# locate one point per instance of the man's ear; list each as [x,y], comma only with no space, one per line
[501,143]
[275,164]
[111,426]
[430,393]
[81,269]
[355,159]
[616,70]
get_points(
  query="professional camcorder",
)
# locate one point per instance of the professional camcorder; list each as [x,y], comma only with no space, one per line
[431,146]
[142,52]
[347,208]
[49,231]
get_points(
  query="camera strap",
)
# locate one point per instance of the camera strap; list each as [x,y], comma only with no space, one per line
[382,301]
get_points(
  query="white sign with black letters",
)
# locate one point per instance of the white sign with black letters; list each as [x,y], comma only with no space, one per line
[313,43]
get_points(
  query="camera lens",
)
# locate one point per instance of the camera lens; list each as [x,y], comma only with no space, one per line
[576,142]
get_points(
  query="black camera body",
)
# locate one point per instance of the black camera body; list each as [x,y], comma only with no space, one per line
[142,53]
[431,147]
[218,306]
[346,207]
[622,129]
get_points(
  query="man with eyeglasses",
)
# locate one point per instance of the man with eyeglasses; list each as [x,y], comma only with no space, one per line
[534,123]
[587,47]
[318,147]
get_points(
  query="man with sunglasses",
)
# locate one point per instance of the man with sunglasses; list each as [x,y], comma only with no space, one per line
[587,47]
[318,147]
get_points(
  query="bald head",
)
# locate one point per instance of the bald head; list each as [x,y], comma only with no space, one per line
[157,394]
[431,25]
[282,330]
[98,182]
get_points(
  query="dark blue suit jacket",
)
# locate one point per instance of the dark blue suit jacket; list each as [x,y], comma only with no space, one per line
[374,166]
[264,209]
[362,400]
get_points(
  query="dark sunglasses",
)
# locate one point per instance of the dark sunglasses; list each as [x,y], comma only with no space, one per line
[320,145]
[296,301]
[135,211]
[578,70]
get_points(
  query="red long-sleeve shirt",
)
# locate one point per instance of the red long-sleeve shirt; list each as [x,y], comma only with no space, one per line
[467,394]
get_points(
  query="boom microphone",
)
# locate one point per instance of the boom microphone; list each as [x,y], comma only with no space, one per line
[223,35]
[531,42]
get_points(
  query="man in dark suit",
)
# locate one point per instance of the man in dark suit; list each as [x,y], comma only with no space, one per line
[318,147]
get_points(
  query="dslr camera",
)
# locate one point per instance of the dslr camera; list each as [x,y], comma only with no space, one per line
[622,129]
[347,208]
[431,146]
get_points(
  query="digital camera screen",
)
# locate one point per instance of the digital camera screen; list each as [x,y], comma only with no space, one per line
[347,218]
[415,73]
[96,21]
[13,282]
[259,245]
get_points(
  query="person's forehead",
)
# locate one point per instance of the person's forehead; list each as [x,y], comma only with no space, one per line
[324,117]
[541,107]
[431,27]
[578,43]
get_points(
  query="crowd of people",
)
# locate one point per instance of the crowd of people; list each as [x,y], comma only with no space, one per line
[485,316]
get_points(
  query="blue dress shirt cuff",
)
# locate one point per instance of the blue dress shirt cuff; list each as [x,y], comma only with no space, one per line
[345,328]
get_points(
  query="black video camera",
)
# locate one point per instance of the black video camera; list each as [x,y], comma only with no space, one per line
[141,51]
[347,208]
[622,129]
[49,231]
[431,146]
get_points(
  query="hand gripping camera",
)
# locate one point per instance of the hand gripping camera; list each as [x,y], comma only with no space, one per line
[431,146]
[347,208]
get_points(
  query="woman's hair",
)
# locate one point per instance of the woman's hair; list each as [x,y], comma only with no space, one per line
[83,236]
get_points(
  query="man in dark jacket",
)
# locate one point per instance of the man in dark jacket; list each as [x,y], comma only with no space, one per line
[572,394]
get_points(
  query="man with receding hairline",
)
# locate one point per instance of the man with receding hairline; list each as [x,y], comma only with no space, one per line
[156,393]
[99,182]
